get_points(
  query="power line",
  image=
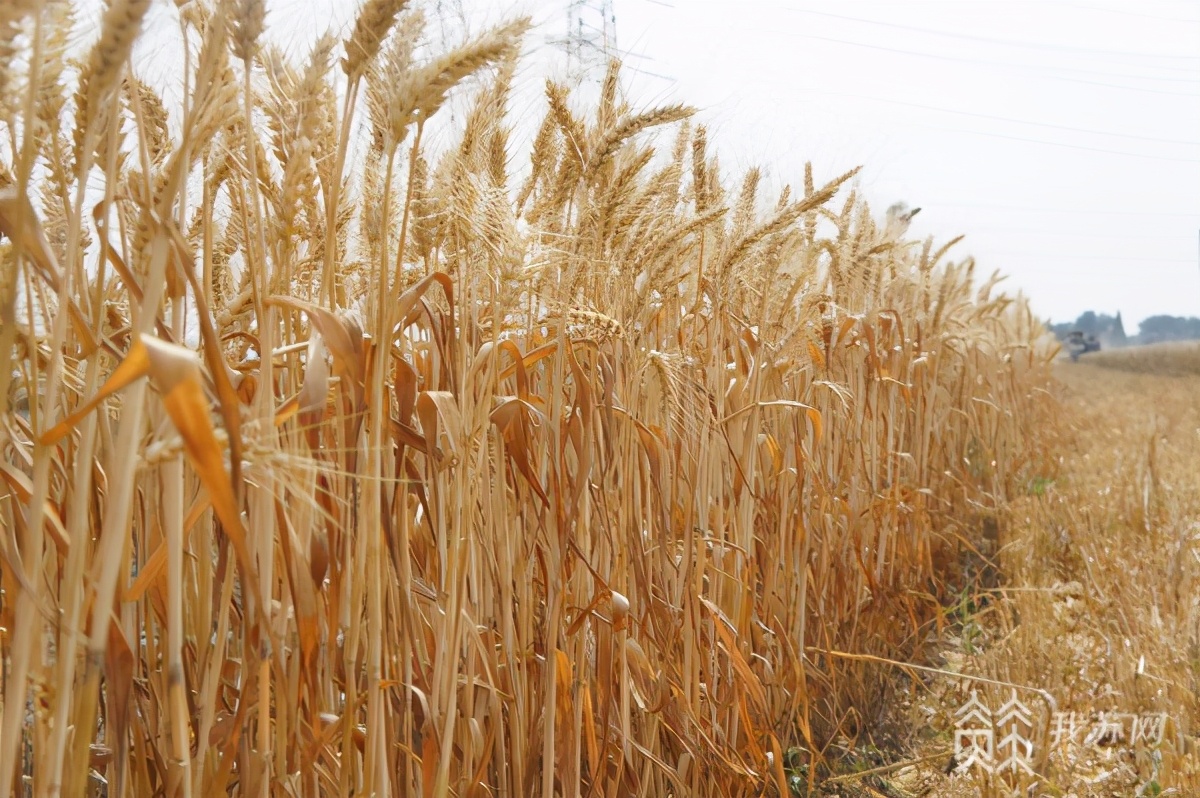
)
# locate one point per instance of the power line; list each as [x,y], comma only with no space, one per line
[1031,231]
[1126,88]
[992,255]
[959,59]
[1080,147]
[1192,142]
[1004,42]
[1043,70]
[1032,209]
[1129,13]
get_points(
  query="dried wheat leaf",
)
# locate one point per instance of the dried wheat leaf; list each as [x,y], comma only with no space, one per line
[344,339]
[133,367]
[513,416]
[175,372]
[118,688]
[22,488]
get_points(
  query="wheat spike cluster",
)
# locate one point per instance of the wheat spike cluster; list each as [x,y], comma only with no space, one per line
[336,463]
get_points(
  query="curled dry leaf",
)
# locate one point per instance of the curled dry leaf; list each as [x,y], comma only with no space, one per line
[22,488]
[344,339]
[620,609]
[644,678]
[515,419]
[175,371]
[440,423]
[133,367]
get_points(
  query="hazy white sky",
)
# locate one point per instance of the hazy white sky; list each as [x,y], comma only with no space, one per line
[1061,136]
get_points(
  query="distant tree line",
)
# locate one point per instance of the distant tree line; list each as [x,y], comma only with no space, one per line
[1110,330]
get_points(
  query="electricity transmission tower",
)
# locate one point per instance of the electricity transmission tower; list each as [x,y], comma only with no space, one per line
[591,35]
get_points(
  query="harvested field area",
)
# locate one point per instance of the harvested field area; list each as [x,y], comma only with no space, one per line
[1173,359]
[1098,606]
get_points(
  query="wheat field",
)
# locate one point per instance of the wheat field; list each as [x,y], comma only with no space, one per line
[340,464]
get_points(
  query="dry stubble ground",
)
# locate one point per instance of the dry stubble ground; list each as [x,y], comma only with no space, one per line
[1098,606]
